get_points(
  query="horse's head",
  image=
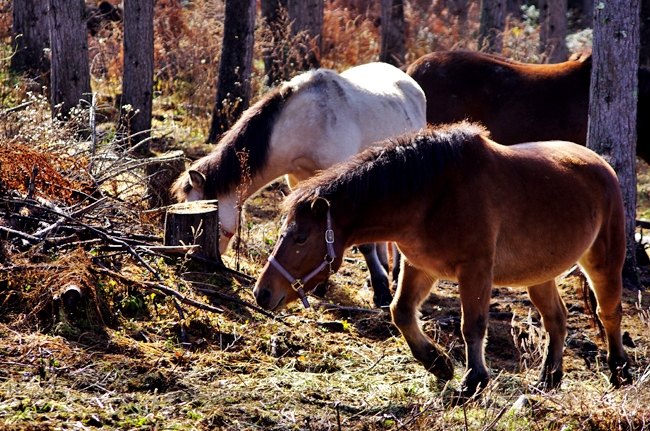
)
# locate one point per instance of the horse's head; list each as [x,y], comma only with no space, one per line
[305,254]
[191,186]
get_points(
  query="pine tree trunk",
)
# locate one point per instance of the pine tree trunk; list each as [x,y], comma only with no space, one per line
[276,19]
[30,37]
[69,44]
[492,26]
[393,48]
[644,57]
[552,29]
[235,66]
[307,30]
[613,105]
[137,81]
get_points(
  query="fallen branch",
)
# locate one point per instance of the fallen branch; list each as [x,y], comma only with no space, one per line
[329,306]
[15,108]
[230,298]
[27,237]
[166,291]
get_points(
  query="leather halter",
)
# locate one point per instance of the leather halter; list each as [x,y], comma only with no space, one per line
[298,284]
[224,232]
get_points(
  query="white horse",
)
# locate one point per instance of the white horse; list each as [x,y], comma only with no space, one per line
[317,119]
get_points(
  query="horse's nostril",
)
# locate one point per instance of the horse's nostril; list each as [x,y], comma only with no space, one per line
[263,297]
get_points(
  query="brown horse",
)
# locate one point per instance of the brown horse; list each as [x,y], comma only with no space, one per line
[463,208]
[518,102]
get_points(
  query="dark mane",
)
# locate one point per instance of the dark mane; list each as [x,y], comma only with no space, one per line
[249,137]
[406,164]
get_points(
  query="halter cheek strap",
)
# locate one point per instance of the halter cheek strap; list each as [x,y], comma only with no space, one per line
[298,284]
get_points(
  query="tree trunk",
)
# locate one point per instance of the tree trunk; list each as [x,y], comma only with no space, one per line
[588,13]
[393,48]
[613,105]
[235,66]
[137,80]
[276,19]
[306,18]
[644,58]
[552,29]
[194,223]
[30,37]
[492,26]
[69,44]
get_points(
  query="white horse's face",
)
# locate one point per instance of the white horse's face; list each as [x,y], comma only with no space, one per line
[228,215]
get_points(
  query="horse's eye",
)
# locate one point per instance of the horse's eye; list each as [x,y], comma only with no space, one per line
[300,240]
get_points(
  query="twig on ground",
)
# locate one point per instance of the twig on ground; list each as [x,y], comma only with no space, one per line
[231,299]
[329,306]
[27,237]
[15,108]
[167,291]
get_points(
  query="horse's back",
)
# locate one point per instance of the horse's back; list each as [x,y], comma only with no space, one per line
[517,102]
[340,114]
[535,209]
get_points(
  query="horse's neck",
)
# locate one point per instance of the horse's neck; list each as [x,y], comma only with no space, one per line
[375,223]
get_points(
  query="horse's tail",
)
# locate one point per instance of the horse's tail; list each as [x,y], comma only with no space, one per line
[591,304]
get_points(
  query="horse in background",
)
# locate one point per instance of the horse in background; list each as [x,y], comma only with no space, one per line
[463,208]
[303,126]
[518,102]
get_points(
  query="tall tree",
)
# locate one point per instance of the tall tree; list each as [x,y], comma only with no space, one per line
[492,26]
[306,18]
[393,48]
[275,48]
[137,80]
[69,45]
[552,29]
[644,58]
[235,66]
[613,104]
[30,36]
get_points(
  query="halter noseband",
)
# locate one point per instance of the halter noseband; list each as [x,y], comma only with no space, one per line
[298,284]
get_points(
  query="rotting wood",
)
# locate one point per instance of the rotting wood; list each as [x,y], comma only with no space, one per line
[71,296]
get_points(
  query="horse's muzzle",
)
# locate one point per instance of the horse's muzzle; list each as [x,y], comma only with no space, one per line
[264,298]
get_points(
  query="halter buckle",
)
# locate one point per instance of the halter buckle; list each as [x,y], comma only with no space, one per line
[297,285]
[329,236]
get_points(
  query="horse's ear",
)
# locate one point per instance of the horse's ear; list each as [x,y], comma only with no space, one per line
[319,207]
[197,179]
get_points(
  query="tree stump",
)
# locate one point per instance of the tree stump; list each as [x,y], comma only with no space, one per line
[194,223]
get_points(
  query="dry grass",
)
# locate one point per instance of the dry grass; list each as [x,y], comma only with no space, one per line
[117,359]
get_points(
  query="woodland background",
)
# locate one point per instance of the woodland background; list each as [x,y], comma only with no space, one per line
[166,342]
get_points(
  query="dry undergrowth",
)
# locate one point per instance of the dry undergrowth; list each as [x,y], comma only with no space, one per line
[123,357]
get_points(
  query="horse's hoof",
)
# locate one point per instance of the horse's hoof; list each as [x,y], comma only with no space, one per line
[442,366]
[549,379]
[474,385]
[621,377]
[382,300]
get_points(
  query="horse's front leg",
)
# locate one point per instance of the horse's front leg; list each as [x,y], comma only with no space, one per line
[378,276]
[475,289]
[547,299]
[412,289]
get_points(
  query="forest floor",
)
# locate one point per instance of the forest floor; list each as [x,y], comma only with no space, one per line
[116,360]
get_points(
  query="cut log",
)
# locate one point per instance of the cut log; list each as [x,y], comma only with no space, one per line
[194,223]
[71,296]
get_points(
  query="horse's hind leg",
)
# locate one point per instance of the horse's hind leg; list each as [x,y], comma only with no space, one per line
[397,257]
[603,264]
[547,299]
[412,289]
[378,276]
